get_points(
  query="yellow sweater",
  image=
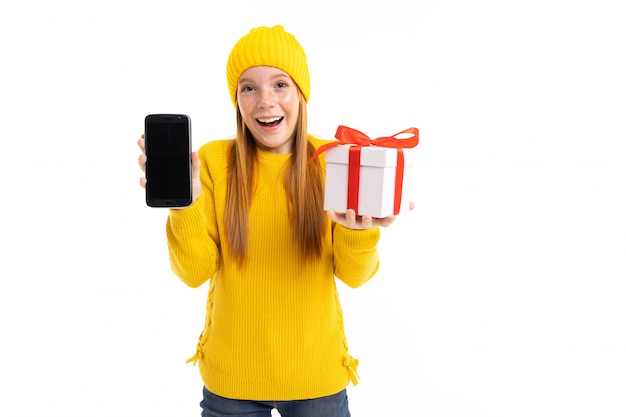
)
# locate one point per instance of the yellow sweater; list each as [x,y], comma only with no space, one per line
[274,329]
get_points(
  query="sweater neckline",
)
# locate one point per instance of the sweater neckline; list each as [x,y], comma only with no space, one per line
[272,157]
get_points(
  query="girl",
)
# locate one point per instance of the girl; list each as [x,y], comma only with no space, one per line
[274,335]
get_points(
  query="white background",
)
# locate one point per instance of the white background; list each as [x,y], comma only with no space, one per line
[502,294]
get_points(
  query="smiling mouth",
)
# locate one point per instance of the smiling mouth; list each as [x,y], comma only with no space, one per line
[270,121]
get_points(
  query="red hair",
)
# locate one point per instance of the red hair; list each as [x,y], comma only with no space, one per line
[303,182]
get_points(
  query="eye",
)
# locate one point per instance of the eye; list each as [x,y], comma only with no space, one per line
[282,84]
[246,88]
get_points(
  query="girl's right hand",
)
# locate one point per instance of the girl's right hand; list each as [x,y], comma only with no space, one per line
[195,174]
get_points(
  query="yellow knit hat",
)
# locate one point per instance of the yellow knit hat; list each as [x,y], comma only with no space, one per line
[270,46]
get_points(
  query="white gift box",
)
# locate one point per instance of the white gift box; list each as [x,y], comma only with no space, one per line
[377,182]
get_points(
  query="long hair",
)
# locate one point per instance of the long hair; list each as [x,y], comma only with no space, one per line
[303,182]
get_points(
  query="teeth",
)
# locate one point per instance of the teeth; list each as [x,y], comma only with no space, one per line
[269,120]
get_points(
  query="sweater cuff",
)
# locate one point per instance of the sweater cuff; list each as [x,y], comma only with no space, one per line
[357,236]
[188,221]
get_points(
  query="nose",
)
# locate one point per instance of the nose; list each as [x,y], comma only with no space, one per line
[266,98]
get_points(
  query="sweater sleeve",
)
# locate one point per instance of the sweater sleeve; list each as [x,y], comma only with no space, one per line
[355,254]
[193,237]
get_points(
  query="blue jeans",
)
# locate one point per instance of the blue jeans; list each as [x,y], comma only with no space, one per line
[332,406]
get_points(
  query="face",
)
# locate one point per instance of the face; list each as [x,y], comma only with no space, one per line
[268,101]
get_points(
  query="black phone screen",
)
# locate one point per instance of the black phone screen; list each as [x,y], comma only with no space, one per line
[168,164]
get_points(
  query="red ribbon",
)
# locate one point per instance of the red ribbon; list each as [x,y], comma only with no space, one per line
[349,136]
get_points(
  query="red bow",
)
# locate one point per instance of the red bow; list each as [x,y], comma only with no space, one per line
[349,136]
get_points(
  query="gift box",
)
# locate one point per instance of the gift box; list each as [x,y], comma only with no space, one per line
[372,177]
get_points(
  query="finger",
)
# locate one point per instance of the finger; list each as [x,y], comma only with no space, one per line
[195,164]
[351,218]
[411,206]
[366,221]
[142,161]
[337,217]
[142,182]
[142,143]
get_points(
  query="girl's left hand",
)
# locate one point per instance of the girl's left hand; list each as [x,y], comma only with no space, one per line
[350,220]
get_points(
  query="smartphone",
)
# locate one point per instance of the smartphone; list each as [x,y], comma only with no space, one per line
[168,163]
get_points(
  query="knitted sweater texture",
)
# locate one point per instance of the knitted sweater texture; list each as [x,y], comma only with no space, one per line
[274,327]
